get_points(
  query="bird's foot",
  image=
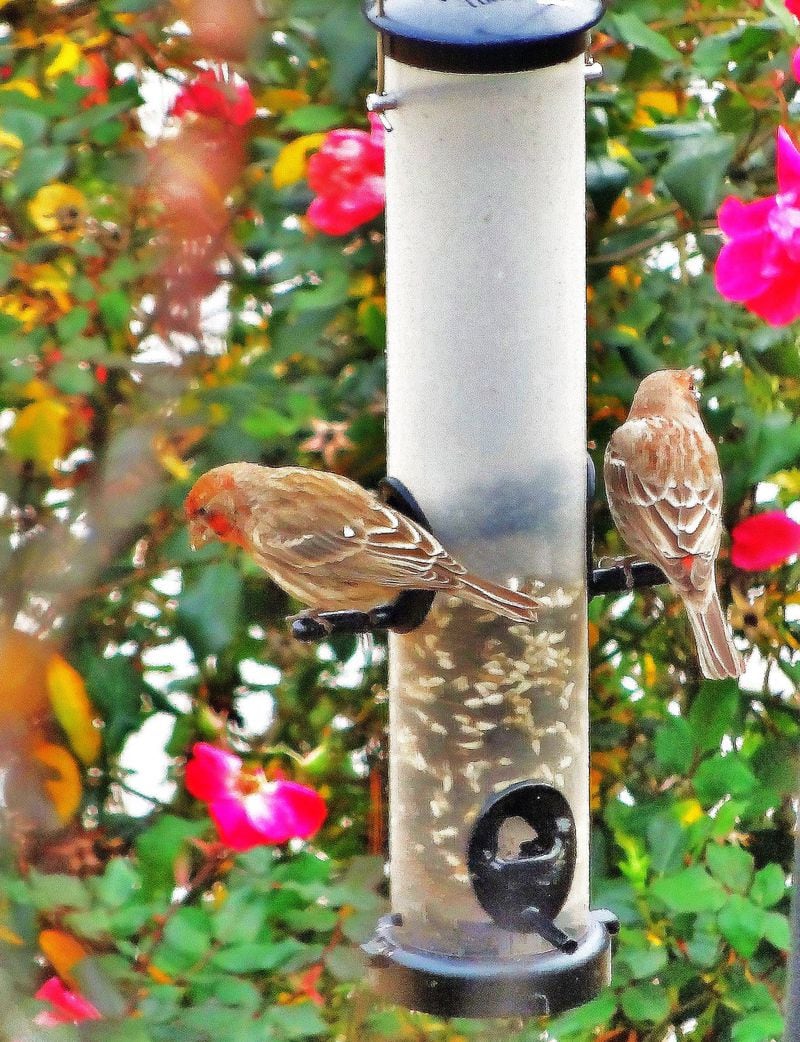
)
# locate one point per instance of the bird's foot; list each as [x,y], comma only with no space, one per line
[624,563]
[309,622]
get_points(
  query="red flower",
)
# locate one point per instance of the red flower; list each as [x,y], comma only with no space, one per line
[247,809]
[209,95]
[764,540]
[68,1006]
[760,264]
[796,65]
[793,6]
[347,175]
[97,80]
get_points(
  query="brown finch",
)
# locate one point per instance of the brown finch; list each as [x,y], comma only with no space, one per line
[330,543]
[664,489]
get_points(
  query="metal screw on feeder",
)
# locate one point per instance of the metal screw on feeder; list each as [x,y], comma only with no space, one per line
[489,787]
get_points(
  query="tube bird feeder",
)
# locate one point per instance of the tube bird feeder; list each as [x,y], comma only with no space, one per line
[489,752]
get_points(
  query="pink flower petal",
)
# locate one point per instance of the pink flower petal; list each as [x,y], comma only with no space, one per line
[337,216]
[738,270]
[737,218]
[70,1008]
[788,163]
[793,6]
[286,810]
[212,772]
[234,826]
[796,64]
[779,303]
[764,540]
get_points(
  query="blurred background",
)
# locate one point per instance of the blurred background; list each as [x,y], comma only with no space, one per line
[168,303]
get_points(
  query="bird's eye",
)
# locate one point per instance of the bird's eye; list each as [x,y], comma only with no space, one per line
[201,512]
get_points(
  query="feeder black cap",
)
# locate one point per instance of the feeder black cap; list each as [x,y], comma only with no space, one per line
[483,35]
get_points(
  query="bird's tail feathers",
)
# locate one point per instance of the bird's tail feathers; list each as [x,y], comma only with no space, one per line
[509,603]
[715,649]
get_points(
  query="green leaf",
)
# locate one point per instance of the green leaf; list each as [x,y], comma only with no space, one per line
[115,688]
[49,892]
[764,1026]
[711,55]
[346,963]
[769,886]
[722,776]
[691,890]
[642,958]
[330,293]
[118,883]
[73,323]
[311,119]
[635,32]
[777,931]
[674,745]
[115,309]
[666,841]
[714,713]
[254,956]
[647,1002]
[349,44]
[29,127]
[742,924]
[158,848]
[732,866]
[39,165]
[297,1021]
[188,931]
[584,1020]
[695,171]
[209,609]
[605,180]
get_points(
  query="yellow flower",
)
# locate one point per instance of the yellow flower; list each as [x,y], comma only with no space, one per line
[40,433]
[290,166]
[751,617]
[66,60]
[9,140]
[52,278]
[64,789]
[27,87]
[664,102]
[58,209]
[27,312]
[73,710]
[283,99]
[63,952]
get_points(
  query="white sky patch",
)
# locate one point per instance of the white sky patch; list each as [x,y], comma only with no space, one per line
[257,710]
[145,765]
[258,674]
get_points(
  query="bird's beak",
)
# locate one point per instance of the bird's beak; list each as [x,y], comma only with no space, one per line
[199,534]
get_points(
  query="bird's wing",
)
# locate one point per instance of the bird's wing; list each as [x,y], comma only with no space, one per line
[319,521]
[665,493]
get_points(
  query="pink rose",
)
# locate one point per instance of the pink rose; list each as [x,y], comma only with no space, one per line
[209,95]
[247,809]
[68,1006]
[760,263]
[347,174]
[764,540]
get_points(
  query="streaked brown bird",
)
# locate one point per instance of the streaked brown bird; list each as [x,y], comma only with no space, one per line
[330,543]
[664,489]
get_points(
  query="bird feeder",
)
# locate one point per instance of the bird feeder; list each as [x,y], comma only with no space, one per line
[489,751]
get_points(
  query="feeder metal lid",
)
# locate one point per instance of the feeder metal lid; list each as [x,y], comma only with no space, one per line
[483,35]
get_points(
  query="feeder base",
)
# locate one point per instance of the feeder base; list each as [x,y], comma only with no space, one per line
[449,986]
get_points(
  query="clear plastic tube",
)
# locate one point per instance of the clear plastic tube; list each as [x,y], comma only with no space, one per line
[486,426]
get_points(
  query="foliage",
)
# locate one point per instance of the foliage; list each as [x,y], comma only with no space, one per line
[165,307]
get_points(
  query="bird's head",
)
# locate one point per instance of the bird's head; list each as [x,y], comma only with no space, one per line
[212,506]
[669,392]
